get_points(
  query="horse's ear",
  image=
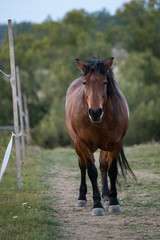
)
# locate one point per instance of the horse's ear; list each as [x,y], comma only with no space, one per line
[81,65]
[108,63]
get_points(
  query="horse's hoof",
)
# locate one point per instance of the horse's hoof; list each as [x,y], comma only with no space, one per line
[81,203]
[115,208]
[106,204]
[98,212]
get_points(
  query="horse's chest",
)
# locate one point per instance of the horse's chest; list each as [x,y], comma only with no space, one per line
[99,139]
[95,139]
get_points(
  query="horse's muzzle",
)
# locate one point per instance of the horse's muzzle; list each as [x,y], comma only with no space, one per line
[95,115]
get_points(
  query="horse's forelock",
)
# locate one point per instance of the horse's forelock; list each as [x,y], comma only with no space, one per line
[95,65]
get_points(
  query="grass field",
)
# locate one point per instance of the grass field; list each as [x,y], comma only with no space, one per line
[25,214]
[30,214]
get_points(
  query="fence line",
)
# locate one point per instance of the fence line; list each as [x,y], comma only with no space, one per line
[17,102]
[7,75]
[11,128]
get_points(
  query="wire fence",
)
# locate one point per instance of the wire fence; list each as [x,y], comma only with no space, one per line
[18,114]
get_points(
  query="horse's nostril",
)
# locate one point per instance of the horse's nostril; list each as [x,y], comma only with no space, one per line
[95,113]
[90,111]
[99,111]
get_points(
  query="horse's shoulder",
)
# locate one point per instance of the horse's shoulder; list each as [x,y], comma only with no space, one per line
[75,84]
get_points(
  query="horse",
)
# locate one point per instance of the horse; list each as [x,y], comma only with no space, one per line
[97,117]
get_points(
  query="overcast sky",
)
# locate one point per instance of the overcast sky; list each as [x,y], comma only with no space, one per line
[36,11]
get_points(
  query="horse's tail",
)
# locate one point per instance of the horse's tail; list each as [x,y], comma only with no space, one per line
[124,166]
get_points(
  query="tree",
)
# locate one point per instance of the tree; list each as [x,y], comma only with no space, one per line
[143,96]
[142,25]
[46,53]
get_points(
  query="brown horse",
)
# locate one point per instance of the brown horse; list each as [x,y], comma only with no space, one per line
[97,117]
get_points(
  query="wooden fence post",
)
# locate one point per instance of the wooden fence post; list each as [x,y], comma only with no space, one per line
[27,120]
[14,97]
[20,110]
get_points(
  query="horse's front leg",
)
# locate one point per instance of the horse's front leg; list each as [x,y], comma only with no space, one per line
[93,175]
[85,154]
[82,201]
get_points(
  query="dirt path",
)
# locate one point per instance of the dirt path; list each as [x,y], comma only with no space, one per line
[78,224]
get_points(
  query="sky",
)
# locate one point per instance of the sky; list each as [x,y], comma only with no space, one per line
[36,11]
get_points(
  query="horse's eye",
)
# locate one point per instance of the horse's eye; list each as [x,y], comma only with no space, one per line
[84,83]
[105,83]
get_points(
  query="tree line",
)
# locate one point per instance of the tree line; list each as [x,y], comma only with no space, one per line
[46,53]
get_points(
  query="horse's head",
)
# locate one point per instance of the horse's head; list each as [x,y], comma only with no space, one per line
[95,86]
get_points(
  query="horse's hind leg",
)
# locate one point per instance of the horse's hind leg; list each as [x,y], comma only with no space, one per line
[104,167]
[112,172]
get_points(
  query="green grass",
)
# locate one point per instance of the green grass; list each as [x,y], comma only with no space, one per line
[140,200]
[144,156]
[26,214]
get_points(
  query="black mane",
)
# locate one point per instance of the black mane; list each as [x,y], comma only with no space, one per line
[97,65]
